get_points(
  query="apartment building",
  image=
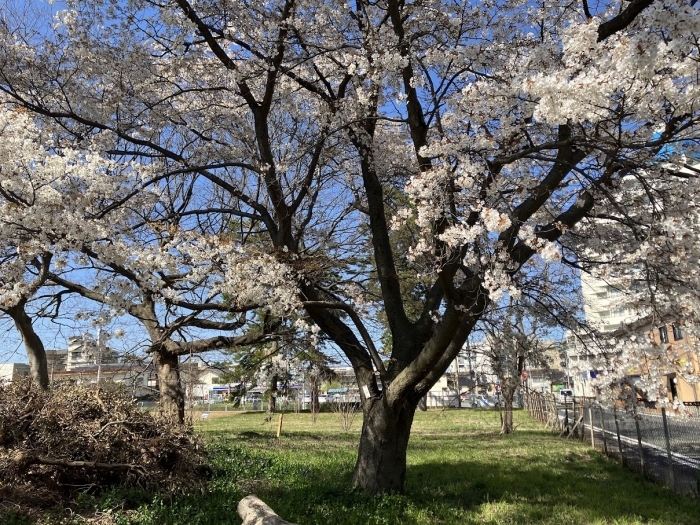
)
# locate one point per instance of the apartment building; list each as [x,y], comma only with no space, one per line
[616,312]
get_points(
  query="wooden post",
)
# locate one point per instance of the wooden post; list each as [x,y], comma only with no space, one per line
[590,422]
[579,422]
[667,435]
[279,426]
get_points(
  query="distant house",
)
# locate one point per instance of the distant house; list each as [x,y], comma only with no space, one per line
[136,378]
[10,371]
[202,383]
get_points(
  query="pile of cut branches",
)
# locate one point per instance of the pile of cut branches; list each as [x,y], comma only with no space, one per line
[76,438]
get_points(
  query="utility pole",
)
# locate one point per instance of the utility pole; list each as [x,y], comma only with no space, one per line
[100,344]
[472,379]
[564,354]
[456,381]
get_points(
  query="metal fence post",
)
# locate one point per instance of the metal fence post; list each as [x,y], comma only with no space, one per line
[602,428]
[639,441]
[619,440]
[667,435]
[590,421]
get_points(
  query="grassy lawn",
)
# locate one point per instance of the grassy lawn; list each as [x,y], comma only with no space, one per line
[461,471]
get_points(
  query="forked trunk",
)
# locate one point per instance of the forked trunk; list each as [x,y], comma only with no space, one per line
[172,399]
[381,460]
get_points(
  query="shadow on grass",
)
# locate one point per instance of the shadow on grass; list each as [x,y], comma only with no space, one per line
[457,474]
[308,487]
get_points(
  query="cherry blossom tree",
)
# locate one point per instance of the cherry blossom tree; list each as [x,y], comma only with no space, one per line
[508,127]
[511,342]
[51,198]
[65,223]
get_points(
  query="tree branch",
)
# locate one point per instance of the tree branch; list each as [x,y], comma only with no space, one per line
[621,21]
[360,328]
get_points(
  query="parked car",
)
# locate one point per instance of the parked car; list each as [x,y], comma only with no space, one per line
[494,401]
[477,401]
[566,395]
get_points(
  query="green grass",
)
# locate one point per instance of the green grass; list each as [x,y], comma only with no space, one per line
[460,471]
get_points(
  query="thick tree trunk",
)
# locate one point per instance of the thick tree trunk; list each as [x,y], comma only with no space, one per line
[381,460]
[33,344]
[172,399]
[315,403]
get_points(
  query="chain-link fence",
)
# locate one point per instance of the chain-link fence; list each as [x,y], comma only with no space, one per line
[664,448]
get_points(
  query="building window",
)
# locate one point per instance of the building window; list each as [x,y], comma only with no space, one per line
[677,333]
[618,311]
[663,334]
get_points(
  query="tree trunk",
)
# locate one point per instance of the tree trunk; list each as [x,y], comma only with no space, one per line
[381,460]
[172,399]
[272,391]
[33,344]
[315,404]
[507,419]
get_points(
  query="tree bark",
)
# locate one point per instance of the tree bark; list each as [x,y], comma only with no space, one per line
[507,422]
[33,344]
[315,404]
[172,399]
[381,460]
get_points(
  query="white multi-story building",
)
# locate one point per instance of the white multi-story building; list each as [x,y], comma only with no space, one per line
[608,307]
[615,309]
[82,352]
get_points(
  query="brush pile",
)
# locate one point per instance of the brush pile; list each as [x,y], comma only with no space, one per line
[73,438]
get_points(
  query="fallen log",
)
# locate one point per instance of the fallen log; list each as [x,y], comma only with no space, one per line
[254,511]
